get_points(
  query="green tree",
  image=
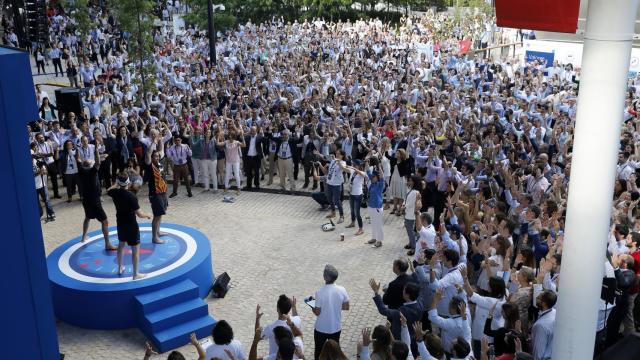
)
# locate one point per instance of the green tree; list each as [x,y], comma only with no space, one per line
[328,9]
[136,19]
[223,20]
[79,11]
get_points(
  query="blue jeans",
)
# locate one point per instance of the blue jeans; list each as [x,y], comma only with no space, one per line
[44,195]
[336,193]
[354,204]
[410,226]
[320,198]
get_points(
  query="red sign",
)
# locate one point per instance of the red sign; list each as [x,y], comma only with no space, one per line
[546,15]
[465,45]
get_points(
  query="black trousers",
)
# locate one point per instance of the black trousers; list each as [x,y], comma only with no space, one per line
[105,172]
[52,169]
[320,338]
[439,200]
[252,169]
[57,65]
[308,168]
[296,167]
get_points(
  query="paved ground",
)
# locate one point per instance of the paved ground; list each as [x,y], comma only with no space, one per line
[269,244]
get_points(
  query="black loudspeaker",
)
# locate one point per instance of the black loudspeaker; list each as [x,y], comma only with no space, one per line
[221,285]
[625,349]
[69,100]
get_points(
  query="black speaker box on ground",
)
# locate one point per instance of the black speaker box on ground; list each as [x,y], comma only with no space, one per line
[69,100]
[221,285]
[625,349]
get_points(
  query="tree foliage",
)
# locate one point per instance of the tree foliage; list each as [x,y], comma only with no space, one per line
[136,19]
[79,11]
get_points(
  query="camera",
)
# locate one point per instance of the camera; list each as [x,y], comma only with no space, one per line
[373,161]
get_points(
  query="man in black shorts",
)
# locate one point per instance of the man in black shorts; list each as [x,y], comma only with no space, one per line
[127,208]
[91,191]
[157,185]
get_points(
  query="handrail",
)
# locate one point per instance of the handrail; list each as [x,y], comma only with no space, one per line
[495,47]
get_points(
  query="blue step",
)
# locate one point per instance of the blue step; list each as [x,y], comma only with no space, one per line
[178,335]
[166,297]
[175,315]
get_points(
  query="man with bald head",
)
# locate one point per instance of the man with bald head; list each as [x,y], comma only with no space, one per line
[252,157]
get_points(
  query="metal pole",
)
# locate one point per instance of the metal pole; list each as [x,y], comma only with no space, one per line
[605,65]
[212,35]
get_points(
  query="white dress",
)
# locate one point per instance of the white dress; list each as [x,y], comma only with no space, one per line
[398,186]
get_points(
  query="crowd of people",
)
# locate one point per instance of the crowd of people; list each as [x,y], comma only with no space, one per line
[474,154]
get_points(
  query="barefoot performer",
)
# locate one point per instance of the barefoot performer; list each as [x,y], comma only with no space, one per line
[91,191]
[128,231]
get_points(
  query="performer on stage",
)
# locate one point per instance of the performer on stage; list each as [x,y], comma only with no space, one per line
[127,209]
[91,190]
[157,185]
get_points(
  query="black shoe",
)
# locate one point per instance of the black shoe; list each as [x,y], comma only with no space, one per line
[306,185]
[173,195]
[57,197]
[247,188]
[411,252]
[189,194]
[408,247]
[314,187]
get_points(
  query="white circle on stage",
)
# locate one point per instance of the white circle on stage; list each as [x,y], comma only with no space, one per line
[65,267]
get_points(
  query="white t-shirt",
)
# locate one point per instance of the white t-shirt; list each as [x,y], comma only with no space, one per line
[410,205]
[357,181]
[267,332]
[72,166]
[297,341]
[329,299]
[217,351]
[427,237]
[334,174]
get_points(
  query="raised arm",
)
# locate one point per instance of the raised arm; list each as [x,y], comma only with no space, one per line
[201,353]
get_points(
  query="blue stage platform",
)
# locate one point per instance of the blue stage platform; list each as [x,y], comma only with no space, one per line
[166,305]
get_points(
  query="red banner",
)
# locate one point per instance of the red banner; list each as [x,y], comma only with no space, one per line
[465,45]
[546,15]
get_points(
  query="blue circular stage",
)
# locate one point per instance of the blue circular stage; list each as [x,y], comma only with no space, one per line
[88,292]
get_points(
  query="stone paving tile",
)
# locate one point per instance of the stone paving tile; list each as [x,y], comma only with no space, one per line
[269,244]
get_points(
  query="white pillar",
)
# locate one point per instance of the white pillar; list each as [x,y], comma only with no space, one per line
[605,64]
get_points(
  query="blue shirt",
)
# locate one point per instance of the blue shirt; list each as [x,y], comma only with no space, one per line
[375,192]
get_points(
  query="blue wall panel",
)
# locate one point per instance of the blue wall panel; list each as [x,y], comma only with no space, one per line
[26,311]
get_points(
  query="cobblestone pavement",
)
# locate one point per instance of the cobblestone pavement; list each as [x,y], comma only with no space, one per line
[269,244]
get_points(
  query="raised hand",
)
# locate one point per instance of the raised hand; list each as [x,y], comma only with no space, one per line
[417,331]
[374,286]
[366,336]
[193,338]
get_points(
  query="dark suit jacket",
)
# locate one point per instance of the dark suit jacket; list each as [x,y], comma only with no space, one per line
[412,312]
[259,146]
[393,296]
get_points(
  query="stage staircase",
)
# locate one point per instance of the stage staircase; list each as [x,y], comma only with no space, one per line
[168,316]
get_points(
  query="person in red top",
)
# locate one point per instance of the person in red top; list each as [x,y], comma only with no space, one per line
[633,243]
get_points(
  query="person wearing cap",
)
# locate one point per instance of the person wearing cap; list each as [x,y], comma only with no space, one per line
[127,208]
[179,153]
[91,190]
[331,300]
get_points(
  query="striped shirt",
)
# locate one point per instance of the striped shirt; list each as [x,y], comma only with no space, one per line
[157,185]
